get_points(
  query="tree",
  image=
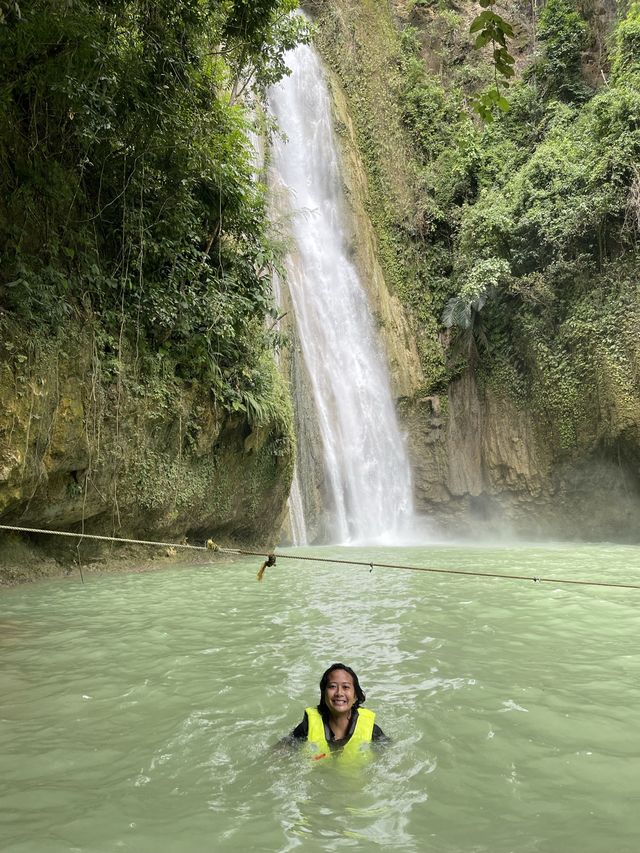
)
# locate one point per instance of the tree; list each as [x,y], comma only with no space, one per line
[126,182]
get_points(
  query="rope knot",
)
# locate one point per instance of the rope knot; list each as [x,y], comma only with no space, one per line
[270,561]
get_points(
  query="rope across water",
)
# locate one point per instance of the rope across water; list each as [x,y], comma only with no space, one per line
[271,558]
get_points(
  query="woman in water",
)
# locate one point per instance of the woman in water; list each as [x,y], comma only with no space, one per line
[338,723]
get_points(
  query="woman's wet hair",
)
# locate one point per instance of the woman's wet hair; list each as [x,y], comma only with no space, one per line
[360,694]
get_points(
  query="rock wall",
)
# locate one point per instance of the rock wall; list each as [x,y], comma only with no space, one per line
[396,327]
[86,444]
[483,463]
[484,468]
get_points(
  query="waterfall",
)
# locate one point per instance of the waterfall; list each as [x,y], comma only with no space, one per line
[366,477]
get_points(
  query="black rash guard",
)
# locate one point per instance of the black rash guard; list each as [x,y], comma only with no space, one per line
[301,732]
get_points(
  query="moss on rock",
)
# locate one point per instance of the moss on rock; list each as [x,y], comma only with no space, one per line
[134,453]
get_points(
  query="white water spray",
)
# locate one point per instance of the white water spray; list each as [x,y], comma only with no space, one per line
[367,475]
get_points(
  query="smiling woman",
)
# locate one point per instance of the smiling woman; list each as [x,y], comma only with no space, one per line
[338,725]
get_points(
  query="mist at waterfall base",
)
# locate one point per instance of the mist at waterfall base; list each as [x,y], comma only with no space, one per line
[365,469]
[140,712]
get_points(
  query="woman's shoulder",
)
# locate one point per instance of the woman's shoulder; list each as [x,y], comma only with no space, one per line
[377,733]
[302,729]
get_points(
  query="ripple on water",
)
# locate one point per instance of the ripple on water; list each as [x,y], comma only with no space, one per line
[139,713]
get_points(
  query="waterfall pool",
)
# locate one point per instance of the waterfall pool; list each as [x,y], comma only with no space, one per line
[139,712]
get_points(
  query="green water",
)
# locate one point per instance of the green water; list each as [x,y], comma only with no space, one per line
[139,712]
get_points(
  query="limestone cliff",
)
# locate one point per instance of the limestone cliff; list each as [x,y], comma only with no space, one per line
[486,458]
[93,446]
[484,467]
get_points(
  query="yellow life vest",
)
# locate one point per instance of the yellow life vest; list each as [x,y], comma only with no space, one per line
[356,745]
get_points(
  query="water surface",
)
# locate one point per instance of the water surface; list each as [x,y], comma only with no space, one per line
[139,712]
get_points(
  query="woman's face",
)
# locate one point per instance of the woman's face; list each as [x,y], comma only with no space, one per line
[340,692]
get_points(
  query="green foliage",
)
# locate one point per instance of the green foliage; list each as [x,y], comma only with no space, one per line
[493,29]
[562,33]
[428,111]
[462,312]
[625,58]
[568,199]
[259,33]
[581,372]
[538,214]
[486,103]
[127,186]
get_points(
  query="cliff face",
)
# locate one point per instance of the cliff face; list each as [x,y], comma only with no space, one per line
[484,467]
[86,444]
[138,390]
[560,460]
[397,331]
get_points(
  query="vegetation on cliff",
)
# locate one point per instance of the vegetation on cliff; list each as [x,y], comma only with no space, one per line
[551,200]
[127,195]
[138,389]
[515,242]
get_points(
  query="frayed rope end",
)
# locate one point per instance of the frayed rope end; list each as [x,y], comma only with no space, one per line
[270,561]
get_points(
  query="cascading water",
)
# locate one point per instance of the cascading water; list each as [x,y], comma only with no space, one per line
[367,480]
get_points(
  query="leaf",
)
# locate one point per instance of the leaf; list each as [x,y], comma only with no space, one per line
[482,40]
[500,54]
[505,70]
